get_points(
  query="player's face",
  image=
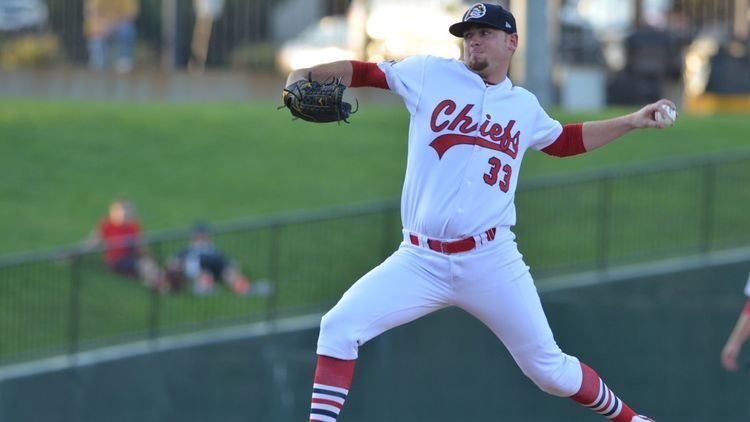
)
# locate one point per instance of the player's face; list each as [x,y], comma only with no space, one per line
[488,49]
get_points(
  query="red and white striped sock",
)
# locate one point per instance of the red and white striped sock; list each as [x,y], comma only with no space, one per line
[333,377]
[595,395]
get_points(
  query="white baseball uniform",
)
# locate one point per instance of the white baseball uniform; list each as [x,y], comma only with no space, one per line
[466,144]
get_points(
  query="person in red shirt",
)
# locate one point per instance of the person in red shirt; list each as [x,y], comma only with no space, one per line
[119,234]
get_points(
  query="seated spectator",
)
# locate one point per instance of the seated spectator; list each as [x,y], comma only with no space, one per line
[203,264]
[120,234]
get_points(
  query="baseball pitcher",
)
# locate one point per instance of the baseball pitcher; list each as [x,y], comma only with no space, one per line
[470,128]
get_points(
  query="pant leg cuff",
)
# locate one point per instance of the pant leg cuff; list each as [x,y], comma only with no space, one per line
[335,352]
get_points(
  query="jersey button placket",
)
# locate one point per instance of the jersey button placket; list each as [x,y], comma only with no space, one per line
[479,158]
[468,173]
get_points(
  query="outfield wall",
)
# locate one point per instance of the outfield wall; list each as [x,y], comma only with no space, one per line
[655,339]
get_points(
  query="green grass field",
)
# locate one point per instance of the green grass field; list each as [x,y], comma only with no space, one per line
[63,162]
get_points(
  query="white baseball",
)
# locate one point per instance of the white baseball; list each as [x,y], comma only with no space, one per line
[666,116]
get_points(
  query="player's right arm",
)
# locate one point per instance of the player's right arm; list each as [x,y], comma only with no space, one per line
[738,337]
[341,69]
[352,73]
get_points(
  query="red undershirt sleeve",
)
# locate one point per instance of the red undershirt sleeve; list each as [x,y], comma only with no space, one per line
[367,74]
[570,142]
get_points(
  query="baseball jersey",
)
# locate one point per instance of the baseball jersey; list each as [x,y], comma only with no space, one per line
[466,143]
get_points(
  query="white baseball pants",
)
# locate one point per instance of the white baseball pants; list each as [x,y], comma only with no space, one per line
[490,282]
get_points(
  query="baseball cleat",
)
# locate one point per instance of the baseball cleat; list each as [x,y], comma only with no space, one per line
[641,418]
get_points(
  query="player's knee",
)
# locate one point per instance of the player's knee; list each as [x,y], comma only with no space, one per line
[334,325]
[329,325]
[557,374]
[338,337]
[547,383]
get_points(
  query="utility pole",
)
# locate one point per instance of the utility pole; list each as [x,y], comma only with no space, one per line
[638,13]
[534,59]
[741,19]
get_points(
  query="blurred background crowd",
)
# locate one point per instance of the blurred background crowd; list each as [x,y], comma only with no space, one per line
[581,54]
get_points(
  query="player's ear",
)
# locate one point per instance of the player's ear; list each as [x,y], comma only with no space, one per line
[511,41]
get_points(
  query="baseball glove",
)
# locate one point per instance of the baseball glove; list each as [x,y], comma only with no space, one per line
[317,102]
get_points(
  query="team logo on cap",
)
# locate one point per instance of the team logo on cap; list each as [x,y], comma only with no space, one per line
[476,12]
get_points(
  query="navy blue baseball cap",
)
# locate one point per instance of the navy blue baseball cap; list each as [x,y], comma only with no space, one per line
[485,14]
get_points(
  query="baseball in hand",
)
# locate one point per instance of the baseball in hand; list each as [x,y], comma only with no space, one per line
[666,116]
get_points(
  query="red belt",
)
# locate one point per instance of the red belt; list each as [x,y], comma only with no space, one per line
[456,246]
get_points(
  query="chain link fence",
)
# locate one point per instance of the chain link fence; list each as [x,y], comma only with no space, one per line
[65,301]
[237,33]
[164,33]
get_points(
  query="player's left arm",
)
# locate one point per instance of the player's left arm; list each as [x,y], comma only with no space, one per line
[599,133]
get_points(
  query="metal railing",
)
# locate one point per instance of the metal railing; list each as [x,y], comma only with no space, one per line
[623,215]
[65,300]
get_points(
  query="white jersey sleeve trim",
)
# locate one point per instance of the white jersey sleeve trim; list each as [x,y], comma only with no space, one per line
[406,78]
[546,129]
[555,134]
